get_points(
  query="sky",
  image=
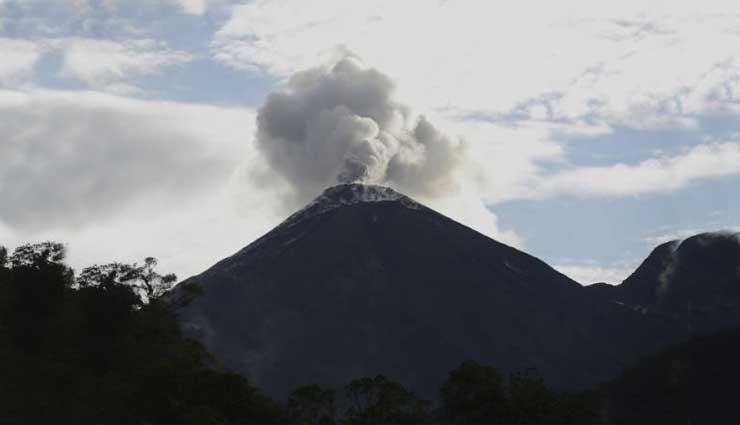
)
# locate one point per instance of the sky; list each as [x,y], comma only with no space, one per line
[582,132]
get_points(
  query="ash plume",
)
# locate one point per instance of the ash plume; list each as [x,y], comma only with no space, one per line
[340,124]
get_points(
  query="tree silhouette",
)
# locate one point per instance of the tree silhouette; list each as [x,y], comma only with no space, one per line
[380,400]
[474,394]
[143,279]
[530,401]
[312,405]
[106,350]
[38,255]
[3,256]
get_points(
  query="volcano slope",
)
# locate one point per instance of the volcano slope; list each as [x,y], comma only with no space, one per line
[364,280]
[694,282]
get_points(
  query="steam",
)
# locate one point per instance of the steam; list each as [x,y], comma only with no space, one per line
[704,241]
[669,269]
[340,124]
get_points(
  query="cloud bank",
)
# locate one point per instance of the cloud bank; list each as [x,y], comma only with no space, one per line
[73,159]
[713,160]
[19,58]
[103,63]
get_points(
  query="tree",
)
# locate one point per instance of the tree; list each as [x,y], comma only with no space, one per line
[3,257]
[313,405]
[530,401]
[144,280]
[95,352]
[38,255]
[380,400]
[34,290]
[474,394]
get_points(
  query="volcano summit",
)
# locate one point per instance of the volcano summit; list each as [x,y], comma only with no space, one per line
[365,280]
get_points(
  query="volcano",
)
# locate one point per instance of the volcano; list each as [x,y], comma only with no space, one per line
[365,280]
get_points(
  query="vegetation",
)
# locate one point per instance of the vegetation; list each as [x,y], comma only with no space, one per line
[312,405]
[380,400]
[105,347]
[476,394]
[692,382]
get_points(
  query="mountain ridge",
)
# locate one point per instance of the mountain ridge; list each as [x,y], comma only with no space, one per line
[694,281]
[365,280]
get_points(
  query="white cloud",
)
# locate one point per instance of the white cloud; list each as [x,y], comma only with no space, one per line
[507,163]
[655,175]
[118,179]
[74,158]
[185,240]
[18,59]
[589,273]
[656,239]
[539,72]
[501,159]
[193,7]
[573,69]
[103,62]
[190,7]
[624,63]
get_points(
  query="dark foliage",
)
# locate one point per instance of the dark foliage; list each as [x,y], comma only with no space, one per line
[473,393]
[105,349]
[143,280]
[379,400]
[477,394]
[312,405]
[693,382]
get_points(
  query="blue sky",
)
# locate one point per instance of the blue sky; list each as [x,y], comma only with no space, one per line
[591,132]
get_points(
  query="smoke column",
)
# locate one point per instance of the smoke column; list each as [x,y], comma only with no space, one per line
[340,124]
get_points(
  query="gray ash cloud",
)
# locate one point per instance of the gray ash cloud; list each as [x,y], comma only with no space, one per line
[341,124]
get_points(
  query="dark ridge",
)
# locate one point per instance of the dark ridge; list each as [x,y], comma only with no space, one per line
[365,280]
